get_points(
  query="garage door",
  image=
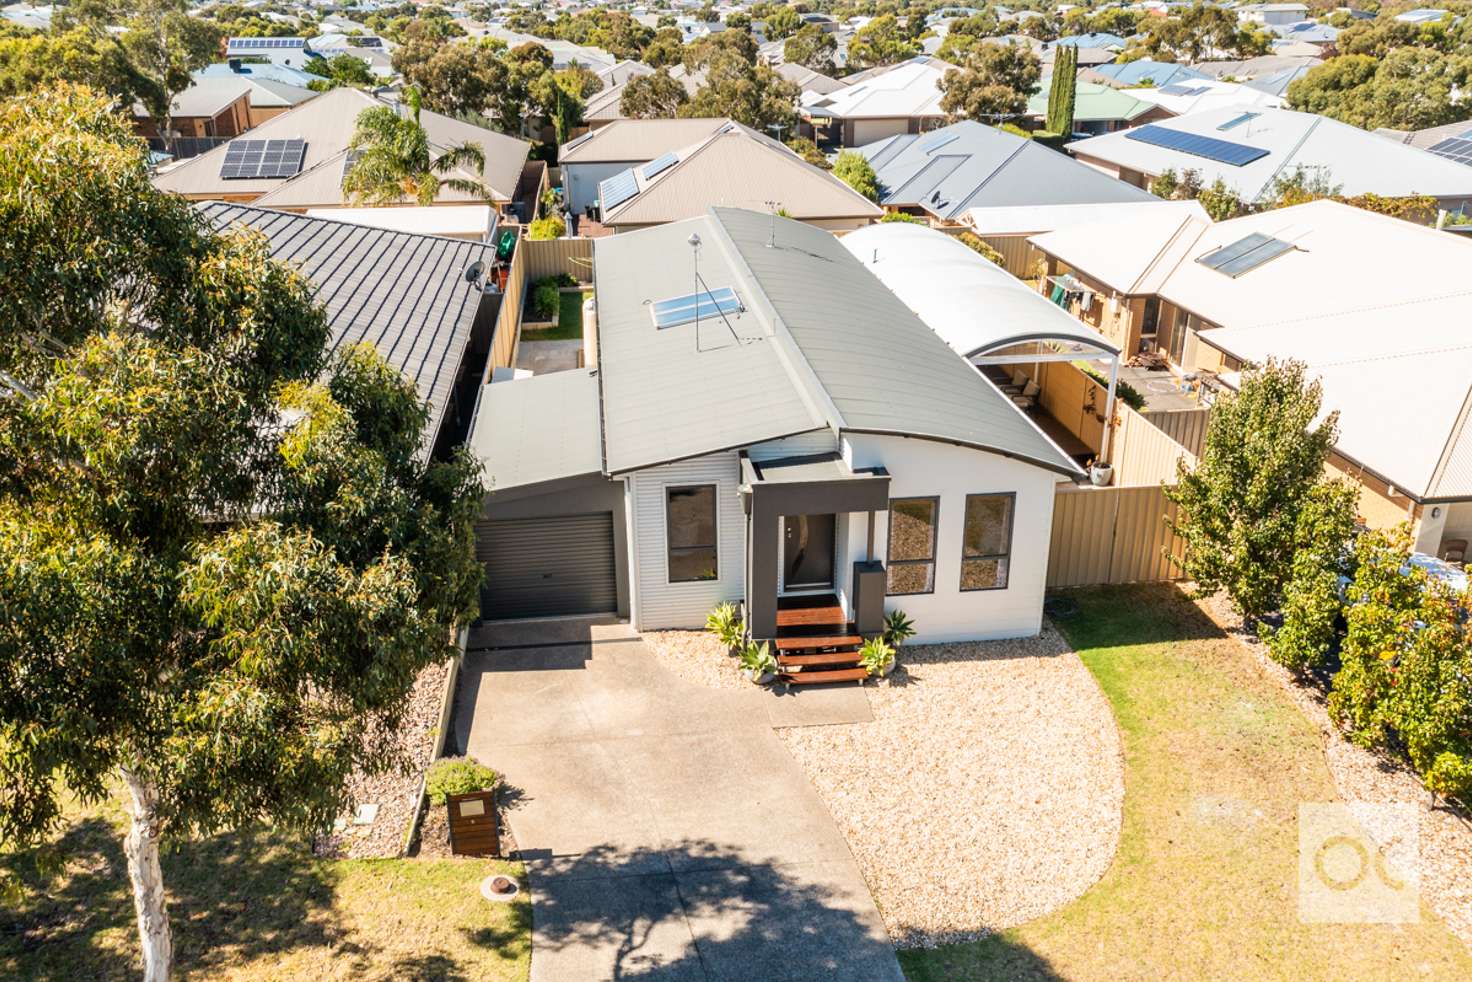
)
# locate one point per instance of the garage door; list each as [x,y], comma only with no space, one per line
[543,567]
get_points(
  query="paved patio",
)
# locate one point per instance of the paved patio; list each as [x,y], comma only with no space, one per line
[667,832]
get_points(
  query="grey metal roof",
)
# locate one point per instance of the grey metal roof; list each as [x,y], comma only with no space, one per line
[969,165]
[404,293]
[539,429]
[882,369]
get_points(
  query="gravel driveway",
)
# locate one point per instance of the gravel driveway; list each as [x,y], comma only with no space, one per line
[985,792]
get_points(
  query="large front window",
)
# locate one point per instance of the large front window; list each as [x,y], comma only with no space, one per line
[690,517]
[912,545]
[986,544]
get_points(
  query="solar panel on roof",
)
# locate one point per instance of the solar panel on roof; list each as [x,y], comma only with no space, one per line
[695,306]
[262,158]
[1235,154]
[1245,254]
[1176,88]
[661,163]
[617,189]
[1457,148]
[1236,121]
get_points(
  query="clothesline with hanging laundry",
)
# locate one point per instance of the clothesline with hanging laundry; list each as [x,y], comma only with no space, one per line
[1065,287]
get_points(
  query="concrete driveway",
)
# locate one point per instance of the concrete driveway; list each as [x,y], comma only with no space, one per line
[667,832]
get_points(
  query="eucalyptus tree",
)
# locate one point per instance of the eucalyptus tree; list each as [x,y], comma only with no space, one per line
[224,556]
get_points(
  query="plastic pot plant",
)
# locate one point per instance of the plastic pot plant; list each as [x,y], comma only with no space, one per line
[758,664]
[725,623]
[877,657]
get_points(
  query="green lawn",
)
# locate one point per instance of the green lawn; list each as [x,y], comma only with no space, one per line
[255,906]
[569,321]
[1204,885]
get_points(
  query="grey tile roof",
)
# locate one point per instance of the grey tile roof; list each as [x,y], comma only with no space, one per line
[971,165]
[539,429]
[820,343]
[405,293]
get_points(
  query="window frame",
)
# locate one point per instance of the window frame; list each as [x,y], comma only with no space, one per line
[715,545]
[889,560]
[1011,529]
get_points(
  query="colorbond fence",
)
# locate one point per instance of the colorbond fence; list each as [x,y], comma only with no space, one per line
[549,257]
[1185,426]
[1143,454]
[1112,535]
[508,318]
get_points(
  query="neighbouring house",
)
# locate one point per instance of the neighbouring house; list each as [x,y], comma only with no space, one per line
[1451,140]
[1260,67]
[298,160]
[291,52]
[605,105]
[1098,108]
[881,102]
[564,53]
[766,423]
[1250,148]
[1145,72]
[261,71]
[734,167]
[592,158]
[943,174]
[1376,307]
[1009,228]
[406,294]
[814,85]
[1272,14]
[222,106]
[1201,95]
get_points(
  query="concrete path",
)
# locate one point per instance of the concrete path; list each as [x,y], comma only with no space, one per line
[667,832]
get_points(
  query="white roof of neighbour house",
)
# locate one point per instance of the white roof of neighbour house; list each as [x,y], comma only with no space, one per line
[564,53]
[969,164]
[1421,15]
[34,16]
[911,88]
[1203,94]
[975,306]
[1252,68]
[1035,219]
[327,123]
[738,168]
[637,140]
[455,220]
[1145,70]
[1375,307]
[539,429]
[1353,159]
[206,97]
[1131,251]
[817,343]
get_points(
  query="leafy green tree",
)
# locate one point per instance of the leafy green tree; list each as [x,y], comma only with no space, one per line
[1199,32]
[1323,552]
[812,48]
[396,163]
[343,69]
[781,23]
[562,96]
[224,559]
[854,169]
[33,60]
[1239,505]
[1406,88]
[882,41]
[1220,201]
[737,85]
[808,150]
[459,78]
[166,45]
[656,96]
[1062,92]
[1406,673]
[995,81]
[666,50]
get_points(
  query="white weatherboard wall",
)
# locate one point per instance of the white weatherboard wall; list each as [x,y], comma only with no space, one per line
[658,603]
[924,468]
[581,182]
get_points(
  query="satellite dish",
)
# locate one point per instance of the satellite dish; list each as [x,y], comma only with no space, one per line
[475,271]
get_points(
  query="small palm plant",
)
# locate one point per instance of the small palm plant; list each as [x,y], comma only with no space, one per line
[396,163]
[877,656]
[725,623]
[898,628]
[757,662]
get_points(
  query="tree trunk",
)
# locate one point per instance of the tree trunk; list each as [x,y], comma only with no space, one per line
[147,875]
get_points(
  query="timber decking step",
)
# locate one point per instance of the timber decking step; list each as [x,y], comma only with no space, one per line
[813,678]
[811,616]
[798,642]
[849,658]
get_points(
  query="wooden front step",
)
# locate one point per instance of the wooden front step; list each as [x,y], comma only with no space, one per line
[799,642]
[811,616]
[808,677]
[844,658]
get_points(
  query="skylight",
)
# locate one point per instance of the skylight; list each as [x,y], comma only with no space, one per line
[1245,255]
[1236,121]
[696,306]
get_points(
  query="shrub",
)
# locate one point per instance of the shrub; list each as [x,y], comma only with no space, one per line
[876,655]
[725,623]
[757,658]
[550,227]
[979,245]
[457,775]
[1312,608]
[899,216]
[546,299]
[853,169]
[898,628]
[1127,394]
